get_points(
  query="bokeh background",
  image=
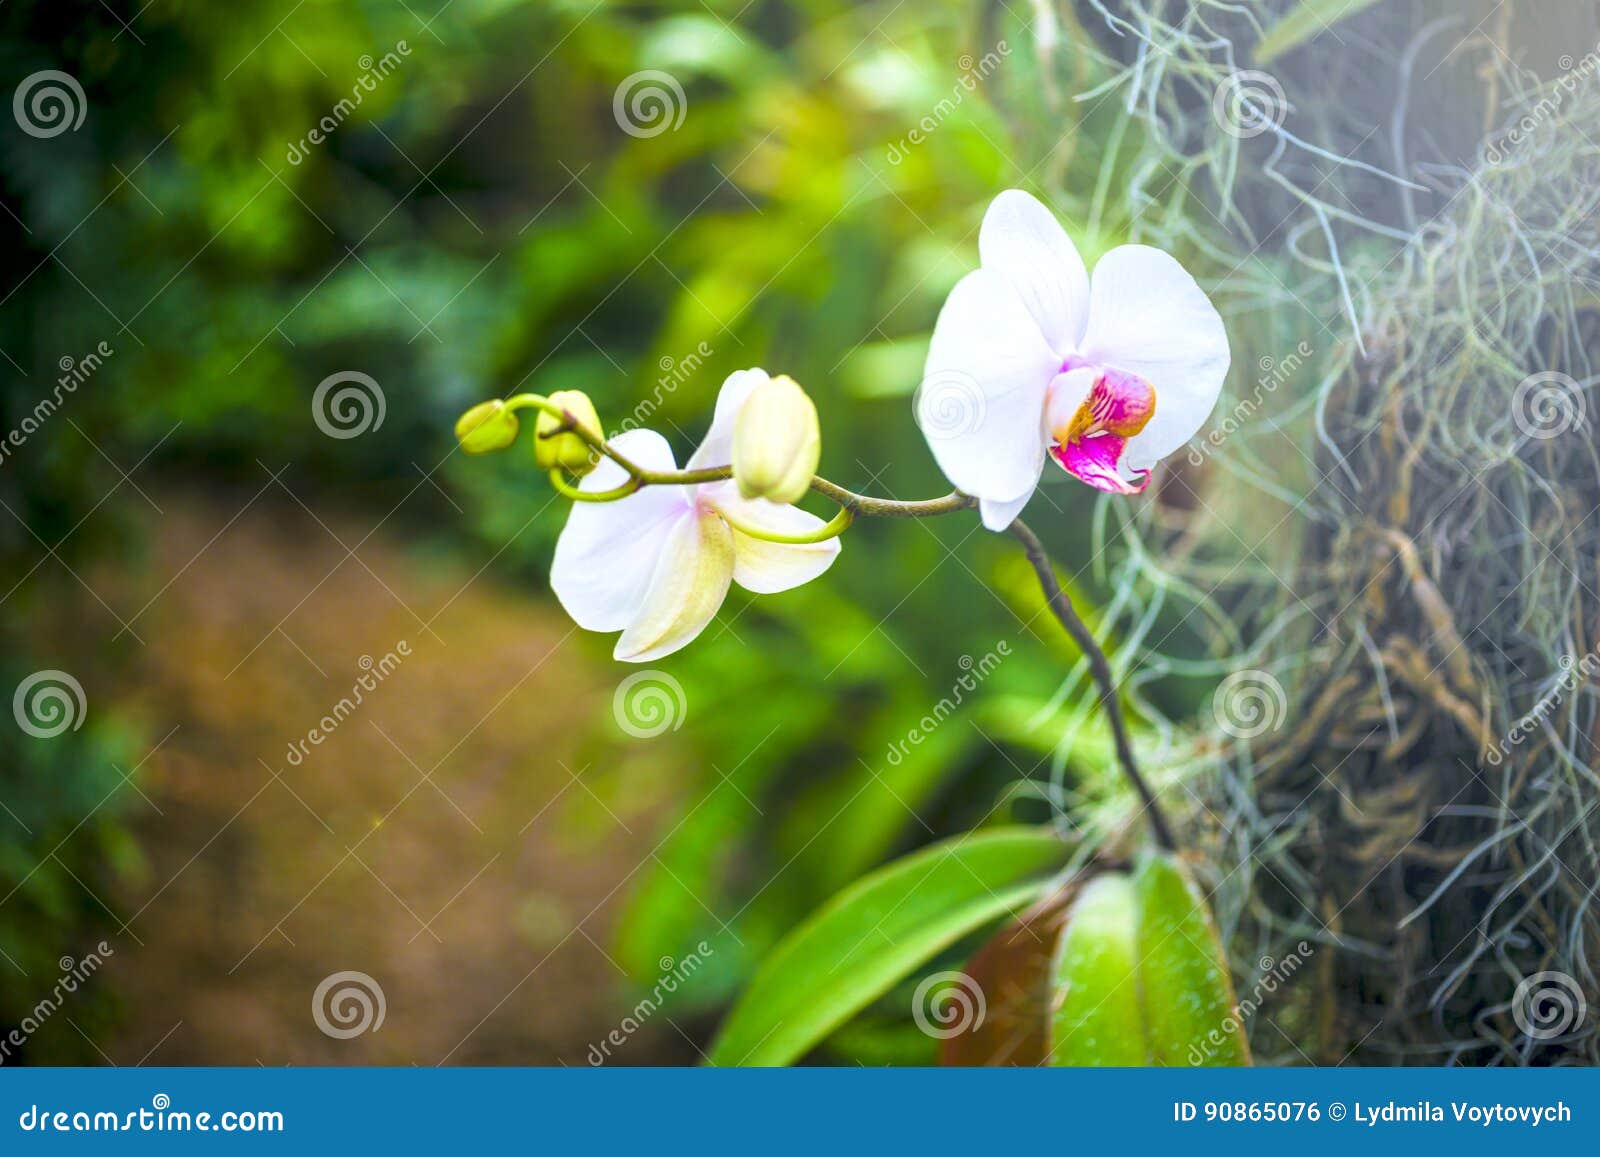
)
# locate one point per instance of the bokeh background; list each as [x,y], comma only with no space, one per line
[633,200]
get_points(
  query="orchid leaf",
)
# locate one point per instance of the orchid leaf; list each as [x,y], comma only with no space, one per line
[876,932]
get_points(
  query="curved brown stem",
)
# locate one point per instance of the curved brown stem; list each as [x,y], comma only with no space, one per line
[891,508]
[1062,607]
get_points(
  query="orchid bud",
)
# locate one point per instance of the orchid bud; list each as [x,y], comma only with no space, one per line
[566,450]
[487,427]
[776,441]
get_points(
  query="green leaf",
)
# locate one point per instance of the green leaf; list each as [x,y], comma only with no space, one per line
[1300,24]
[1191,1016]
[876,932]
[1098,1019]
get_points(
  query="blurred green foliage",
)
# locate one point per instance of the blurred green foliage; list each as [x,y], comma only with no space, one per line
[480,223]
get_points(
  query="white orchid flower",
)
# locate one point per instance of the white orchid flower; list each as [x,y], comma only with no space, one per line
[657,564]
[1031,358]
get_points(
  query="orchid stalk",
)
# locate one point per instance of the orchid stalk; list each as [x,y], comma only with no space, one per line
[1105,376]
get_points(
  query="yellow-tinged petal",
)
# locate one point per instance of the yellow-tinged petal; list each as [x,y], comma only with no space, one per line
[691,579]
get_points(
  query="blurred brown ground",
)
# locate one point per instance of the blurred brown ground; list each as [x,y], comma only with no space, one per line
[448,839]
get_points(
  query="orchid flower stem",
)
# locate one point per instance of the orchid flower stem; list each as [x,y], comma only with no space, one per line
[836,526]
[1061,605]
[567,490]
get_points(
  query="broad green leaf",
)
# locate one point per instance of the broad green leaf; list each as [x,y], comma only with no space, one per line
[1191,1016]
[1311,18]
[1098,1018]
[876,932]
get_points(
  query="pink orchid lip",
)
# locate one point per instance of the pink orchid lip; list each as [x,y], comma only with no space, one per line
[1094,460]
[1090,446]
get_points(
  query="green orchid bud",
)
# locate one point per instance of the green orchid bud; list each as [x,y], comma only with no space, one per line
[776,441]
[487,427]
[566,450]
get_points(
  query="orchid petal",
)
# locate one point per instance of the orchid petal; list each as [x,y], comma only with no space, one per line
[1095,461]
[717,447]
[1147,316]
[762,567]
[981,402]
[999,515]
[690,581]
[1022,241]
[608,550]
